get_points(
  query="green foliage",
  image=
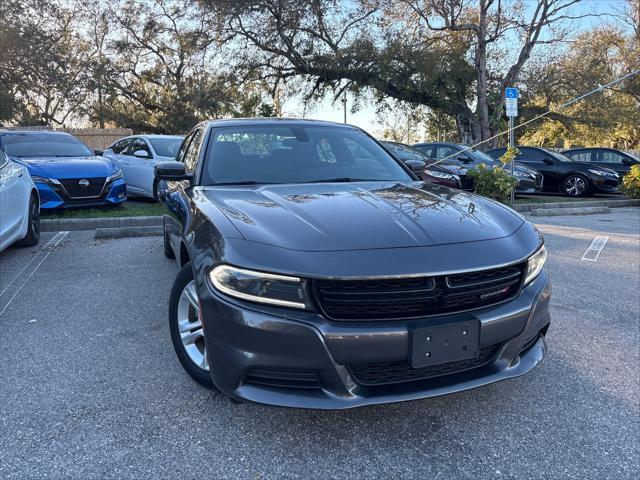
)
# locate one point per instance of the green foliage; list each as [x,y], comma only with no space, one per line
[509,156]
[631,182]
[494,183]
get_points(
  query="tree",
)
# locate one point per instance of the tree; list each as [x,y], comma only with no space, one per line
[435,53]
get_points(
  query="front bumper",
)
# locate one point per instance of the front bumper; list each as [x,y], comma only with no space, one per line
[53,196]
[605,184]
[243,339]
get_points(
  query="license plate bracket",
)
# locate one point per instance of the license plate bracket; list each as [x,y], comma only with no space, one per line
[440,344]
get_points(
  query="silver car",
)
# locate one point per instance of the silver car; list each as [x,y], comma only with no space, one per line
[137,155]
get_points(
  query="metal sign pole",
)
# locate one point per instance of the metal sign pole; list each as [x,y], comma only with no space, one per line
[511,145]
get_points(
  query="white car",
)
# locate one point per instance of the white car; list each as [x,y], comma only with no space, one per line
[19,205]
[137,155]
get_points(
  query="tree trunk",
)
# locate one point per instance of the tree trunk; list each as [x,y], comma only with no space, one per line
[481,68]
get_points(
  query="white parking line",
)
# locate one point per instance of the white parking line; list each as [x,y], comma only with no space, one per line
[592,253]
[42,255]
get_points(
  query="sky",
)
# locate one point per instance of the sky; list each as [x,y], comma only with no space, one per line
[366,118]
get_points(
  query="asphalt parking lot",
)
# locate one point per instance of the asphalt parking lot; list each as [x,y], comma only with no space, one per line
[90,386]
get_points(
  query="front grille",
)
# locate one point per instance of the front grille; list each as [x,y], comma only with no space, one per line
[375,374]
[466,182]
[307,379]
[416,297]
[75,190]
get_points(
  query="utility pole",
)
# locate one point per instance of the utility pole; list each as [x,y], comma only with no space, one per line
[344,106]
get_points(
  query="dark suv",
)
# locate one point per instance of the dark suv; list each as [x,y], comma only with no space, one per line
[317,271]
[561,174]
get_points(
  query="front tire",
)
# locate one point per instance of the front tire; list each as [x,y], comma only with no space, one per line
[33,230]
[186,328]
[575,185]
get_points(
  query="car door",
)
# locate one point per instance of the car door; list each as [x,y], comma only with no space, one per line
[116,152]
[542,162]
[178,192]
[139,167]
[14,199]
[609,158]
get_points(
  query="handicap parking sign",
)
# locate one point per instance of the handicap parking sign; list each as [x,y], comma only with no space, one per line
[511,92]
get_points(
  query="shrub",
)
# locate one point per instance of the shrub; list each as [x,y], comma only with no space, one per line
[494,183]
[631,182]
[509,155]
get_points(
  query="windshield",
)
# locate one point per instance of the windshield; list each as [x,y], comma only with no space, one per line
[44,145]
[297,154]
[634,156]
[405,152]
[484,158]
[166,147]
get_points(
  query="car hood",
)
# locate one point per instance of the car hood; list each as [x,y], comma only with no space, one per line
[68,167]
[357,216]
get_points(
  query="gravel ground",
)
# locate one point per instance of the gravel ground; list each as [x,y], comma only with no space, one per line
[90,387]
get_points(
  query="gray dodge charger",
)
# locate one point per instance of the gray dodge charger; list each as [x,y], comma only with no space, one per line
[317,271]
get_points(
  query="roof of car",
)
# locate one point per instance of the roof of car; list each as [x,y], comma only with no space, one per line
[34,132]
[232,122]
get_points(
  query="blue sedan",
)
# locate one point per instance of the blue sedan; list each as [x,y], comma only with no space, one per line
[66,172]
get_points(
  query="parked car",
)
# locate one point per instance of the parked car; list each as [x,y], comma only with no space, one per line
[317,272]
[137,155]
[529,181]
[439,174]
[561,174]
[19,205]
[610,158]
[65,171]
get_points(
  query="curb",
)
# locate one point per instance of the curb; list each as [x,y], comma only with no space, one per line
[127,232]
[60,224]
[554,212]
[529,207]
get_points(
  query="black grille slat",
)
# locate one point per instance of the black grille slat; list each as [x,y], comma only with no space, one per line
[306,379]
[375,374]
[75,190]
[414,297]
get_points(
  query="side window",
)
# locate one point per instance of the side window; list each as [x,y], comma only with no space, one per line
[529,155]
[582,156]
[444,151]
[121,146]
[428,150]
[192,151]
[139,144]
[609,156]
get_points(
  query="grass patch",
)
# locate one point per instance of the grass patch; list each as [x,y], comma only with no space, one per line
[126,209]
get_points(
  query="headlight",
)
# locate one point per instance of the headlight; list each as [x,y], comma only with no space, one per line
[516,173]
[45,180]
[535,264]
[260,287]
[115,176]
[436,174]
[602,173]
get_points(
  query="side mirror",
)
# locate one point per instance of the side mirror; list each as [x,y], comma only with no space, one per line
[416,166]
[98,152]
[464,159]
[627,162]
[141,154]
[548,161]
[170,171]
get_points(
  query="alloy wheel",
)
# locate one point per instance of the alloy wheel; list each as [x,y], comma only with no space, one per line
[190,326]
[575,186]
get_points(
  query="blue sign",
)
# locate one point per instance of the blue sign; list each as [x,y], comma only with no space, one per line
[511,92]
